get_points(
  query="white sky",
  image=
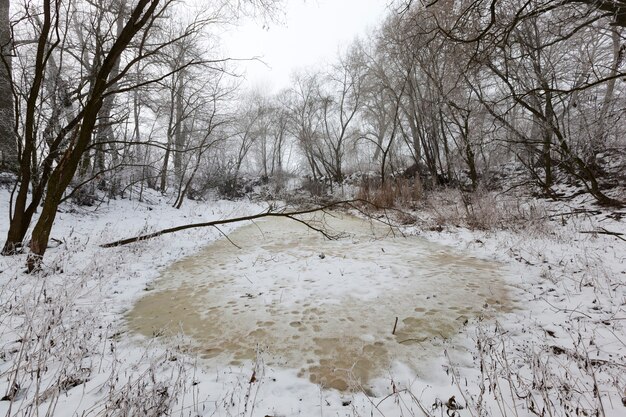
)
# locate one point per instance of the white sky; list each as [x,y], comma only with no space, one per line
[313,31]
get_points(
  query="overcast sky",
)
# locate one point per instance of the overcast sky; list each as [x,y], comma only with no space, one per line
[312,32]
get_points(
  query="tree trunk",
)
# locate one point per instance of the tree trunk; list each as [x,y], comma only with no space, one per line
[17,228]
[64,172]
[21,218]
[8,139]
[59,180]
[546,158]
[104,132]
[598,141]
[180,130]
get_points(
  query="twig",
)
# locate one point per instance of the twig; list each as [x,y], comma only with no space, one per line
[573,213]
[566,310]
[310,226]
[227,238]
[412,340]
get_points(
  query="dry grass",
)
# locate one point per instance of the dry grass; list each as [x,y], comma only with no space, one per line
[56,343]
[540,380]
[484,210]
[399,192]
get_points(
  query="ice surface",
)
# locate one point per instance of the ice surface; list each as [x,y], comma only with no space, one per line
[325,307]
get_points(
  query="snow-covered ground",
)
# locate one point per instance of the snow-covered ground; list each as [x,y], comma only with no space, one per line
[65,349]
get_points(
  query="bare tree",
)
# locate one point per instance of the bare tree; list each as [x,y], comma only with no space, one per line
[533,70]
[529,65]
[305,120]
[143,15]
[66,145]
[341,98]
[247,127]
[383,93]
[76,62]
[278,131]
[202,129]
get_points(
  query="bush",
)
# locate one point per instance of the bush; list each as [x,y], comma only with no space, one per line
[84,196]
[7,179]
[314,187]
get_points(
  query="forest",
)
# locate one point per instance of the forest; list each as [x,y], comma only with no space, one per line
[491,123]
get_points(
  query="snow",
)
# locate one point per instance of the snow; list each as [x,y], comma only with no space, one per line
[67,325]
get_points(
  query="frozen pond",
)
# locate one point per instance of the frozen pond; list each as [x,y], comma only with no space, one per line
[326,308]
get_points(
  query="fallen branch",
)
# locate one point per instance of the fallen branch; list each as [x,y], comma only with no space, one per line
[603,231]
[573,213]
[268,213]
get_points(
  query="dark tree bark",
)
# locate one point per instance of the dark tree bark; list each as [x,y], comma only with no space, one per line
[21,213]
[8,139]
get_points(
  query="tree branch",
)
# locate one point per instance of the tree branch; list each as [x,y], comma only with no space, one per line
[603,231]
[268,213]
